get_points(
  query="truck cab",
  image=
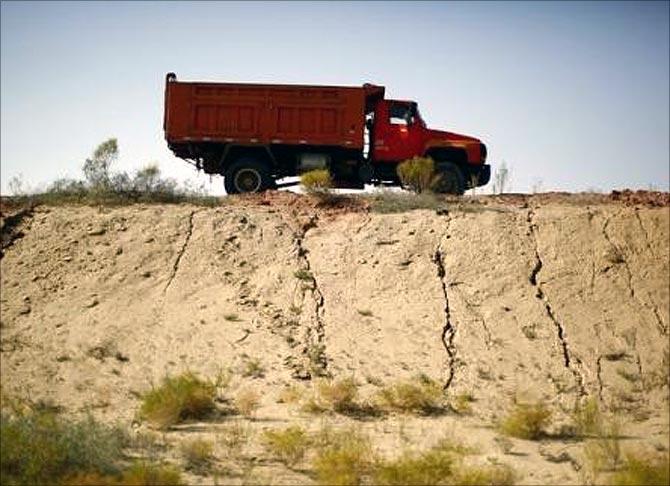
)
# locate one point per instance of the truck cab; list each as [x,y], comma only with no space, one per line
[397,132]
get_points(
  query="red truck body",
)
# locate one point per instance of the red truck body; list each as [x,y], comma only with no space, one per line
[254,134]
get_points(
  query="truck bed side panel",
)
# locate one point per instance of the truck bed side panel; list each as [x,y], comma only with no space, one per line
[254,113]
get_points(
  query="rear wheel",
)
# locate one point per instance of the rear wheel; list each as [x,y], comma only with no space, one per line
[450,180]
[247,175]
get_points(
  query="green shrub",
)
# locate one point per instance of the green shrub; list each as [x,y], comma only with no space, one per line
[342,458]
[526,421]
[41,447]
[643,469]
[289,445]
[198,454]
[417,174]
[177,399]
[316,181]
[423,396]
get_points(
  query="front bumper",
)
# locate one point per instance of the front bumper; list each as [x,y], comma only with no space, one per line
[480,173]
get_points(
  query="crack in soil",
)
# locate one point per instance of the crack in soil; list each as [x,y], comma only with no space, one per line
[175,266]
[654,309]
[568,361]
[599,376]
[315,335]
[448,331]
[644,231]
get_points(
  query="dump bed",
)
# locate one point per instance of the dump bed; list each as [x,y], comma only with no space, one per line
[266,114]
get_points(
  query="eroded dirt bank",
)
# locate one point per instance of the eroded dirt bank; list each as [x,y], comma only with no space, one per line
[555,301]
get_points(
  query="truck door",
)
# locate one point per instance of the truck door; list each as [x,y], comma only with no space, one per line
[398,133]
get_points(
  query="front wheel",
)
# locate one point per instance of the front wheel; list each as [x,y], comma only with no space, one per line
[247,175]
[450,179]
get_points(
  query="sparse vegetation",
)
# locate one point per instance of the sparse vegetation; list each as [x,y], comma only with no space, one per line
[288,445]
[247,402]
[461,403]
[101,186]
[290,394]
[433,466]
[253,368]
[526,421]
[441,464]
[342,458]
[42,447]
[198,454]
[340,396]
[417,174]
[140,473]
[233,438]
[143,473]
[423,396]
[388,202]
[643,469]
[498,474]
[604,452]
[177,399]
[588,420]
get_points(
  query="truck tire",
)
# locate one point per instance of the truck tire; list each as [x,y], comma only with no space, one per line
[450,180]
[247,175]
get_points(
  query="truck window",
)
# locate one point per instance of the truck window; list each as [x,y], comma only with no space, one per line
[399,115]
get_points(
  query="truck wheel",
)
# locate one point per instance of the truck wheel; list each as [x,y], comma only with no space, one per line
[247,175]
[450,179]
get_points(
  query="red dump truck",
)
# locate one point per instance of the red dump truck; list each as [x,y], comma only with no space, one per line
[255,134]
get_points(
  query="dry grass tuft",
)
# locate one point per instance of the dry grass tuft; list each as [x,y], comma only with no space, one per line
[342,458]
[316,181]
[417,174]
[643,469]
[198,454]
[177,399]
[526,421]
[423,396]
[288,445]
[247,402]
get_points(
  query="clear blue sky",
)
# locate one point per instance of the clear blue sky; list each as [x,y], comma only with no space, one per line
[572,94]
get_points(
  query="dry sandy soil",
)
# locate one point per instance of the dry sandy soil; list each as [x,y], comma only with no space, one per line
[558,298]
